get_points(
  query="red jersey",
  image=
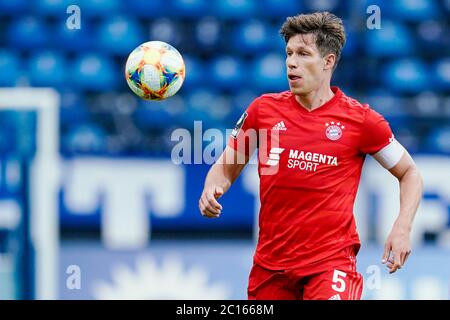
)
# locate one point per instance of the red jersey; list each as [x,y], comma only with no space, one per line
[309,168]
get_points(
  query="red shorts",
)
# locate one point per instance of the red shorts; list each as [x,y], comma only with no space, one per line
[333,279]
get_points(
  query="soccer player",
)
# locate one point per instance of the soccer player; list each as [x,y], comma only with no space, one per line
[309,165]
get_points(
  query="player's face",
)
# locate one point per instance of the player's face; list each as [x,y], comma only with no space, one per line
[305,65]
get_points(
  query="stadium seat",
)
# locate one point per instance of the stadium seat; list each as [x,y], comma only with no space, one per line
[251,37]
[73,39]
[351,46]
[119,35]
[234,9]
[407,76]
[439,140]
[27,33]
[208,33]
[385,102]
[321,5]
[409,138]
[194,73]
[54,8]
[431,37]
[345,73]
[95,72]
[9,68]
[13,7]
[279,8]
[99,8]
[414,10]
[227,72]
[47,68]
[73,108]
[240,102]
[166,30]
[161,114]
[269,73]
[441,74]
[427,103]
[143,8]
[392,40]
[190,8]
[86,138]
[199,103]
[276,41]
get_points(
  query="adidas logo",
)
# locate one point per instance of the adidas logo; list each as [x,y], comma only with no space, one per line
[279,126]
[335,297]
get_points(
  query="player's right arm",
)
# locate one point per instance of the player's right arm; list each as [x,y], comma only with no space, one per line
[241,145]
[219,179]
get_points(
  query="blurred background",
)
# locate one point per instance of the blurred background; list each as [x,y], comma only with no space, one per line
[92,207]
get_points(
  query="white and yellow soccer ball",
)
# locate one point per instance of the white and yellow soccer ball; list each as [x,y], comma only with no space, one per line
[155,70]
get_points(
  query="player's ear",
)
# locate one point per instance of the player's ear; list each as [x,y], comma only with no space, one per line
[329,61]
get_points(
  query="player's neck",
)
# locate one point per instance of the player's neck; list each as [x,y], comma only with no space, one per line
[315,99]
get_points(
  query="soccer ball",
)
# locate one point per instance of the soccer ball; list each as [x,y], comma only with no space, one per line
[155,70]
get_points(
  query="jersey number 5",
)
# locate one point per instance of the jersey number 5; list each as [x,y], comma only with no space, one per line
[338,281]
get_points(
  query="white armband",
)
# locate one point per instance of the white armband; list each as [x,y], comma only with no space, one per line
[390,155]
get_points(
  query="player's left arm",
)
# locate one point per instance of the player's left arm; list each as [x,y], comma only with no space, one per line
[378,140]
[398,161]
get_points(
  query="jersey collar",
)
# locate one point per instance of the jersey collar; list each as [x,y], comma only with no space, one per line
[337,95]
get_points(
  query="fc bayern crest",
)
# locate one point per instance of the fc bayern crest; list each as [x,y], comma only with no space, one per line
[334,130]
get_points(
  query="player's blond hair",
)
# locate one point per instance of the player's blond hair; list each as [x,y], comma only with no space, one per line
[327,28]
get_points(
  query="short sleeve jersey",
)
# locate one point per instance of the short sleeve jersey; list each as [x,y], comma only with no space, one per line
[309,164]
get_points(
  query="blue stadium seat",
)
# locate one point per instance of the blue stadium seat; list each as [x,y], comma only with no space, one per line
[9,68]
[208,33]
[276,41]
[240,101]
[323,5]
[95,72]
[73,39]
[160,114]
[392,40]
[408,137]
[251,36]
[209,106]
[199,102]
[407,76]
[85,138]
[13,7]
[27,33]
[190,8]
[234,9]
[47,68]
[385,102]
[119,35]
[439,140]
[227,72]
[279,8]
[195,68]
[55,8]
[269,73]
[351,47]
[145,8]
[441,74]
[166,30]
[431,37]
[414,10]
[73,107]
[99,8]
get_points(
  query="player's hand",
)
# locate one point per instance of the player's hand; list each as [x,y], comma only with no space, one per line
[208,204]
[396,250]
